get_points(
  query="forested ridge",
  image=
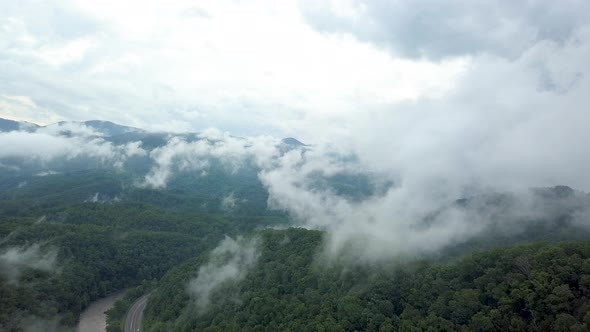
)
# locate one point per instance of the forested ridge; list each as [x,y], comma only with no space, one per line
[133,236]
[75,235]
[538,287]
[61,250]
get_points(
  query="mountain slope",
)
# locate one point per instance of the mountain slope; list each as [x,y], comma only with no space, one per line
[109,128]
[11,125]
[538,287]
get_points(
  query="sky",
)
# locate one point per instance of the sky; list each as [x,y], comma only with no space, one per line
[284,68]
[248,67]
[497,86]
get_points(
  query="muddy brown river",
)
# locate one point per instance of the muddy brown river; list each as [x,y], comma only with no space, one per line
[93,319]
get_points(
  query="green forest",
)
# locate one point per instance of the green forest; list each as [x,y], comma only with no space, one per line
[101,247]
[157,242]
[538,287]
[71,237]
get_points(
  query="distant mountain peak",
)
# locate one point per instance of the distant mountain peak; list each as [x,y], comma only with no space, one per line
[13,125]
[559,191]
[110,128]
[292,141]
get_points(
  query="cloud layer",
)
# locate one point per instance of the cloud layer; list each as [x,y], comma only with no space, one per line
[512,124]
[434,29]
[65,141]
[181,154]
[245,67]
[442,101]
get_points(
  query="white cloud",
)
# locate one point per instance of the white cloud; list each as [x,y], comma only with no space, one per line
[246,67]
[13,260]
[69,52]
[181,155]
[229,261]
[69,141]
[23,108]
[507,128]
[434,29]
[229,202]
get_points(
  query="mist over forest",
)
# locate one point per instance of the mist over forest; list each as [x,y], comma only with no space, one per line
[295,166]
[98,207]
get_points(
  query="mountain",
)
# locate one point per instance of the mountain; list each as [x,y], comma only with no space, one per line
[123,155]
[83,215]
[110,129]
[11,125]
[121,134]
[292,142]
[557,213]
[541,287]
[106,128]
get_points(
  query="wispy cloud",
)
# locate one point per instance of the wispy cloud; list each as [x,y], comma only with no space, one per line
[66,141]
[230,261]
[16,259]
[181,155]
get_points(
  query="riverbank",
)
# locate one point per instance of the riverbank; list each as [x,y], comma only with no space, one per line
[94,319]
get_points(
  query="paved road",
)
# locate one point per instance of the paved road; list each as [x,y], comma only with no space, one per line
[135,314]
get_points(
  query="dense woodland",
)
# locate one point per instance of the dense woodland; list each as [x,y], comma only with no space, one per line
[539,287]
[160,238]
[104,245]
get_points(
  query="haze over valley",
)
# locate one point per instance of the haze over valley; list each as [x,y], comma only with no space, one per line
[295,166]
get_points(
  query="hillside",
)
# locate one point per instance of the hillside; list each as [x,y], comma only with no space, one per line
[544,287]
[91,208]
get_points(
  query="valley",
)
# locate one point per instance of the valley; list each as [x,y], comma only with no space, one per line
[215,256]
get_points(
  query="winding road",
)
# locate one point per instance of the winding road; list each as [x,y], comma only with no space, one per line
[135,314]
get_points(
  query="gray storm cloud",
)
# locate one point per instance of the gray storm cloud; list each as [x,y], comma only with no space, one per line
[16,259]
[435,29]
[229,261]
[502,127]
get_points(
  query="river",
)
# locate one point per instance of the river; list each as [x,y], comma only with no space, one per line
[93,319]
